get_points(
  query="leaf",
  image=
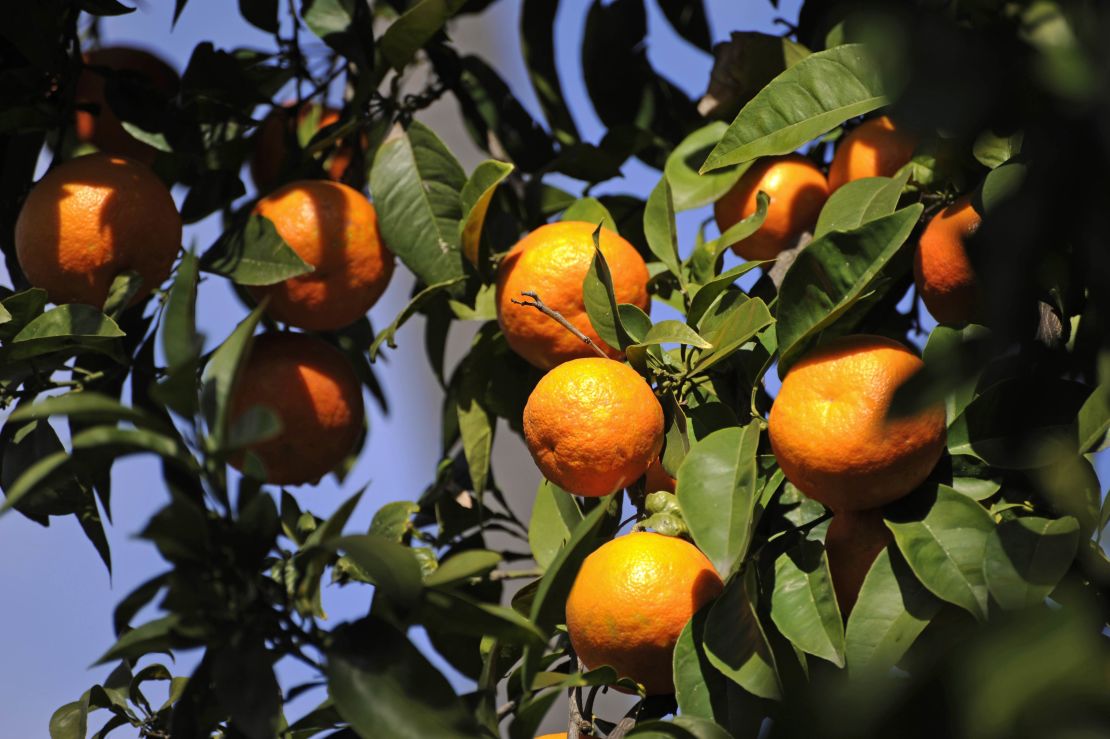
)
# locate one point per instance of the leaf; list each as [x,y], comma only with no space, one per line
[704,296]
[893,608]
[390,566]
[807,100]
[537,30]
[688,19]
[180,342]
[416,183]
[262,14]
[418,301]
[803,603]
[243,678]
[671,331]
[383,686]
[463,566]
[736,645]
[716,492]
[222,372]
[660,228]
[860,201]
[943,536]
[71,721]
[601,300]
[831,275]
[1026,557]
[21,308]
[555,513]
[476,196]
[448,613]
[1094,419]
[590,210]
[344,25]
[393,520]
[690,188]
[728,326]
[415,28]
[104,7]
[706,254]
[154,636]
[476,427]
[67,328]
[124,287]
[254,254]
[992,150]
[85,406]
[680,727]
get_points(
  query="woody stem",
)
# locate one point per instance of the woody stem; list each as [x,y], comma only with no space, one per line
[538,304]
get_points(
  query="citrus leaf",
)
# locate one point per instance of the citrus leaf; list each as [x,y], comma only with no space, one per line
[422,298]
[1027,556]
[943,536]
[555,513]
[803,603]
[463,566]
[537,44]
[590,210]
[415,28]
[476,196]
[728,326]
[736,645]
[691,189]
[807,100]
[390,566]
[601,300]
[860,201]
[893,608]
[68,328]
[704,295]
[254,253]
[660,228]
[222,372]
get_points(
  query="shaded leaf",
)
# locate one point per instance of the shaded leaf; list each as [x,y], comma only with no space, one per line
[1027,556]
[803,603]
[555,514]
[736,645]
[254,254]
[476,196]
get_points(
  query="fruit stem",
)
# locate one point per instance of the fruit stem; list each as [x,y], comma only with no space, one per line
[538,304]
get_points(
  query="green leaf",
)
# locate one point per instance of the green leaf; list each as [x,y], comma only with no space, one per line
[73,327]
[1026,558]
[418,301]
[262,14]
[344,25]
[807,100]
[416,183]
[124,287]
[704,296]
[476,426]
[893,608]
[680,727]
[537,44]
[243,678]
[416,27]
[590,210]
[660,228]
[1094,418]
[716,491]
[180,342]
[703,260]
[1000,184]
[601,300]
[688,19]
[691,189]
[222,372]
[463,566]
[393,520]
[943,536]
[832,274]
[803,603]
[21,308]
[860,201]
[736,645]
[87,407]
[154,636]
[555,514]
[992,150]
[728,326]
[450,613]
[383,686]
[390,566]
[71,721]
[476,196]
[254,253]
[671,331]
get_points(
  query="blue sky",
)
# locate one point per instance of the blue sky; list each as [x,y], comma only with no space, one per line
[58,614]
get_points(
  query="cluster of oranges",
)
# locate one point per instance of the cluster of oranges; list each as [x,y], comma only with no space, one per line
[96,216]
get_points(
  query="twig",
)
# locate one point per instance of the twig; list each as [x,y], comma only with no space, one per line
[539,305]
[514,574]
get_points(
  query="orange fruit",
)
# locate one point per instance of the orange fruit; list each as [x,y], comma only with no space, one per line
[91,218]
[334,228]
[797,190]
[656,478]
[563,735]
[853,541]
[593,426]
[103,129]
[630,601]
[942,271]
[552,261]
[829,428]
[278,128]
[874,148]
[311,386]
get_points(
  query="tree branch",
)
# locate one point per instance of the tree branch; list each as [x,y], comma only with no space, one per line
[538,304]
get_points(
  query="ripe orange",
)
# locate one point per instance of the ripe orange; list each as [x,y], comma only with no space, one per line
[829,430]
[91,218]
[853,541]
[313,389]
[942,271]
[874,148]
[631,600]
[334,228]
[797,190]
[271,146]
[552,261]
[656,478]
[103,129]
[593,426]
[553,736]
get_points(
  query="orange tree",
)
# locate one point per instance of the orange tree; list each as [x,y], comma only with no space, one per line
[955,585]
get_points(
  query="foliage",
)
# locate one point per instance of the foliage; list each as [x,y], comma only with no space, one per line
[992,599]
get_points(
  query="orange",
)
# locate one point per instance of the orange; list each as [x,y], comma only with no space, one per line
[279,127]
[656,478]
[334,228]
[942,271]
[830,432]
[553,736]
[552,261]
[593,426]
[630,601]
[853,541]
[874,148]
[102,128]
[313,389]
[797,190]
[91,218]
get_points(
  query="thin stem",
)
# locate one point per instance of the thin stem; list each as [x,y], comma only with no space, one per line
[538,304]
[514,574]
